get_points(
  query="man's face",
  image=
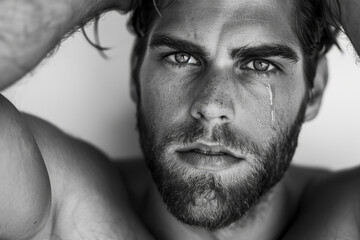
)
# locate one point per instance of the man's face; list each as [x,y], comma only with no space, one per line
[222,99]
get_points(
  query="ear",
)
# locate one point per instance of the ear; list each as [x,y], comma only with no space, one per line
[317,92]
[134,77]
[133,91]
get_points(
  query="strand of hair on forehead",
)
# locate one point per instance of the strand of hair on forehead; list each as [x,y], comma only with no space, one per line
[156,8]
[97,44]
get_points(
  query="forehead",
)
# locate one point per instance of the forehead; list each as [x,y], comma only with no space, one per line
[237,22]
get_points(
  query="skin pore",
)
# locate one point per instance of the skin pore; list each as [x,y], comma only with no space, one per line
[204,86]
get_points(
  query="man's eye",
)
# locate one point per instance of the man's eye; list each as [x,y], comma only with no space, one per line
[182,58]
[259,66]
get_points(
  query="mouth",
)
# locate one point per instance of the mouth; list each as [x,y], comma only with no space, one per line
[209,157]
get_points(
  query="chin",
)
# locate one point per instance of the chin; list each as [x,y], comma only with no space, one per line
[208,199]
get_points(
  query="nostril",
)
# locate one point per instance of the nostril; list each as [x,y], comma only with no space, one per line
[223,117]
[199,115]
[210,111]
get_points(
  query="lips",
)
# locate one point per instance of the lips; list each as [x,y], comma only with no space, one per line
[209,157]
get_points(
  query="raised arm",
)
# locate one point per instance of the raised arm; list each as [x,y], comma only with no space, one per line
[29,29]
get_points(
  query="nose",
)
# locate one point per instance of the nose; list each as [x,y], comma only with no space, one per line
[213,103]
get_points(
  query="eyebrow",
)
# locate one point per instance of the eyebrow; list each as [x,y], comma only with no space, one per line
[264,51]
[160,40]
[248,52]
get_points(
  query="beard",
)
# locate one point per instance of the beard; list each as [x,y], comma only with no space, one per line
[208,199]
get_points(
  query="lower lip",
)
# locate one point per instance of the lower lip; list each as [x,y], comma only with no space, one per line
[214,162]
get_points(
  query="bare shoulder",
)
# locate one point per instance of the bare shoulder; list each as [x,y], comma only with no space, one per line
[72,164]
[89,197]
[329,207]
[25,195]
[333,186]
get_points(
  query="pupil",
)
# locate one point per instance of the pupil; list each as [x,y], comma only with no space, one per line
[260,65]
[182,57]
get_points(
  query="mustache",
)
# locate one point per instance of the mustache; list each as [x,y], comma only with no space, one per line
[188,133]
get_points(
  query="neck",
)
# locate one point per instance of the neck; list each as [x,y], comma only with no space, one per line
[266,220]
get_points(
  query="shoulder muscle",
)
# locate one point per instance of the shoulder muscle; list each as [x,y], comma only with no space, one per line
[88,191]
[24,184]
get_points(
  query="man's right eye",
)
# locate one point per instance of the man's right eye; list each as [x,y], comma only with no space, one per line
[182,59]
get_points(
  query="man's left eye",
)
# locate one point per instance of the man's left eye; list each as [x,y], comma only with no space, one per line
[182,58]
[259,66]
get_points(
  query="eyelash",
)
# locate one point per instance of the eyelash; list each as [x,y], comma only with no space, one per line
[174,64]
[241,65]
[276,69]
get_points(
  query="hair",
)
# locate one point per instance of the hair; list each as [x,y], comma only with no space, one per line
[315,29]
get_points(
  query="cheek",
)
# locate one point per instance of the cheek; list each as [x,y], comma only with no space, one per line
[162,98]
[254,108]
[286,96]
[289,97]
